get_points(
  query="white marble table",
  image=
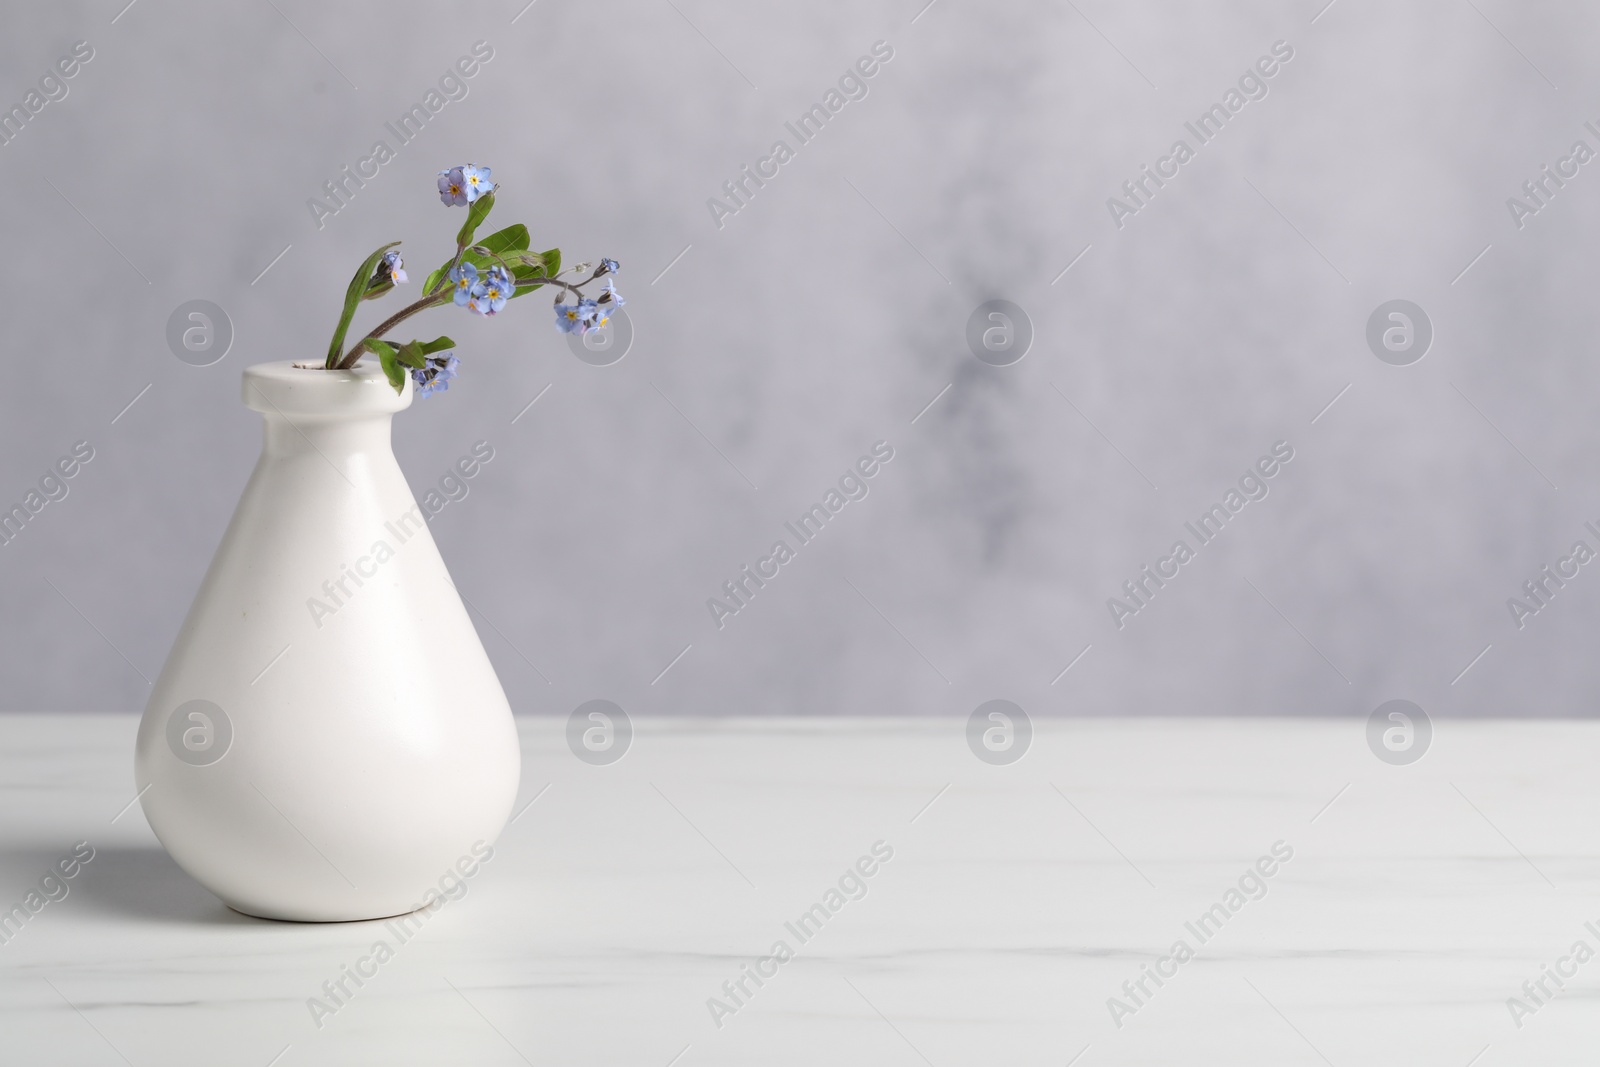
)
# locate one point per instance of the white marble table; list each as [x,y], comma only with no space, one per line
[1017,901]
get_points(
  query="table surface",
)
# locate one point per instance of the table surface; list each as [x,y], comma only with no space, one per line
[1017,901]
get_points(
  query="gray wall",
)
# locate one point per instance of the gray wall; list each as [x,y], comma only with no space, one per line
[823,317]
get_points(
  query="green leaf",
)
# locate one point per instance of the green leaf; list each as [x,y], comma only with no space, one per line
[503,243]
[352,297]
[477,211]
[391,364]
[511,239]
[509,244]
[410,354]
[534,265]
[416,353]
[479,260]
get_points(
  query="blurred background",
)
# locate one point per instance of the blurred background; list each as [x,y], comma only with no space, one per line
[775,346]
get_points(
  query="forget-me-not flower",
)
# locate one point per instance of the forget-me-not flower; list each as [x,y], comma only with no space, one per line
[465,277]
[491,294]
[477,180]
[453,187]
[435,377]
[610,299]
[393,267]
[577,318]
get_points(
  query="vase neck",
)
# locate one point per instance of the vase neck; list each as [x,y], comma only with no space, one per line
[333,437]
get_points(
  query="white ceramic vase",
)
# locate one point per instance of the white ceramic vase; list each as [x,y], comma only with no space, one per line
[328,739]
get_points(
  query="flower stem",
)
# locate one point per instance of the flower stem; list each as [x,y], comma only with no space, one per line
[439,296]
[431,300]
[439,285]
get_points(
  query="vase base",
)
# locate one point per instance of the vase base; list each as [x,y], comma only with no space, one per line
[264,913]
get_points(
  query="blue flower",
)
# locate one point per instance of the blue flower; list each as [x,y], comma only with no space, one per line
[477,179]
[577,318]
[393,266]
[453,187]
[435,377]
[491,294]
[608,266]
[610,300]
[465,277]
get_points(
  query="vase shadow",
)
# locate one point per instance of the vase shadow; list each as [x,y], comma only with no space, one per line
[132,882]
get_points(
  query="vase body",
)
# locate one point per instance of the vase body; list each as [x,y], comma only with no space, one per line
[328,738]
